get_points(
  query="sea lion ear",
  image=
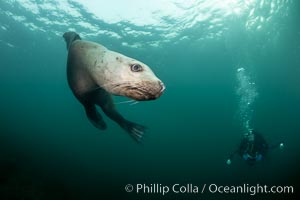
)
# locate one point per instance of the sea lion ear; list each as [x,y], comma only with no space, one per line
[70,37]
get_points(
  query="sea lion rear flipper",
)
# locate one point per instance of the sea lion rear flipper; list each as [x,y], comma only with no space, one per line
[94,116]
[136,131]
[70,37]
[105,101]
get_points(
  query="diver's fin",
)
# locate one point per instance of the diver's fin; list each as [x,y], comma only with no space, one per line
[70,37]
[95,117]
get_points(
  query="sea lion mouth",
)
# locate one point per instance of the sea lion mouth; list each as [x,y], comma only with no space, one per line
[142,91]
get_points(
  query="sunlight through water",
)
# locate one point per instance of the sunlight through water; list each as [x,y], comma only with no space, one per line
[156,21]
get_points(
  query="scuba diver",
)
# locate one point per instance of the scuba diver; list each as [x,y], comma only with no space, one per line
[253,148]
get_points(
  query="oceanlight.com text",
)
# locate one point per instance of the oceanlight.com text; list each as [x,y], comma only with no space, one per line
[189,188]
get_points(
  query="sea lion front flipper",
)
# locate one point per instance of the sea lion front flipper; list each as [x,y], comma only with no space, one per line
[94,116]
[105,101]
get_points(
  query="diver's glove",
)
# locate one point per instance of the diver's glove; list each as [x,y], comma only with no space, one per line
[228,162]
[281,145]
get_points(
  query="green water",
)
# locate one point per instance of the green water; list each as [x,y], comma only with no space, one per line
[49,149]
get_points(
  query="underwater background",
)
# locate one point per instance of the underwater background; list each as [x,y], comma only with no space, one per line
[228,66]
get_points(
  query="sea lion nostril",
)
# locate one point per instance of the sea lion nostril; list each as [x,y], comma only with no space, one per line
[162,86]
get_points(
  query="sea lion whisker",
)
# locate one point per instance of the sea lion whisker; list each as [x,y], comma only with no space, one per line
[142,90]
[137,87]
[122,102]
[92,90]
[136,102]
[136,91]
[97,88]
[119,86]
[114,85]
[120,83]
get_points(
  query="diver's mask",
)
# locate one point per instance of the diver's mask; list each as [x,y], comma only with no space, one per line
[249,135]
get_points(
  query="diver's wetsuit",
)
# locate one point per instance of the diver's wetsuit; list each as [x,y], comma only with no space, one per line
[255,149]
[252,151]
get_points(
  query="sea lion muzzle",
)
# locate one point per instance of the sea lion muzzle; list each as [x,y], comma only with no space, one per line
[144,91]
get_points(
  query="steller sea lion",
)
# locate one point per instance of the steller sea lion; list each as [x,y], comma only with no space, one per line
[95,74]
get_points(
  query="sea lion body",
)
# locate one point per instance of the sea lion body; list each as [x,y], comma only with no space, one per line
[94,73]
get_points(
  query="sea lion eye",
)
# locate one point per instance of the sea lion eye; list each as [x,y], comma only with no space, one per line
[136,68]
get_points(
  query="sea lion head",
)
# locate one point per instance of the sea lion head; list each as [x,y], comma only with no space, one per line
[125,76]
